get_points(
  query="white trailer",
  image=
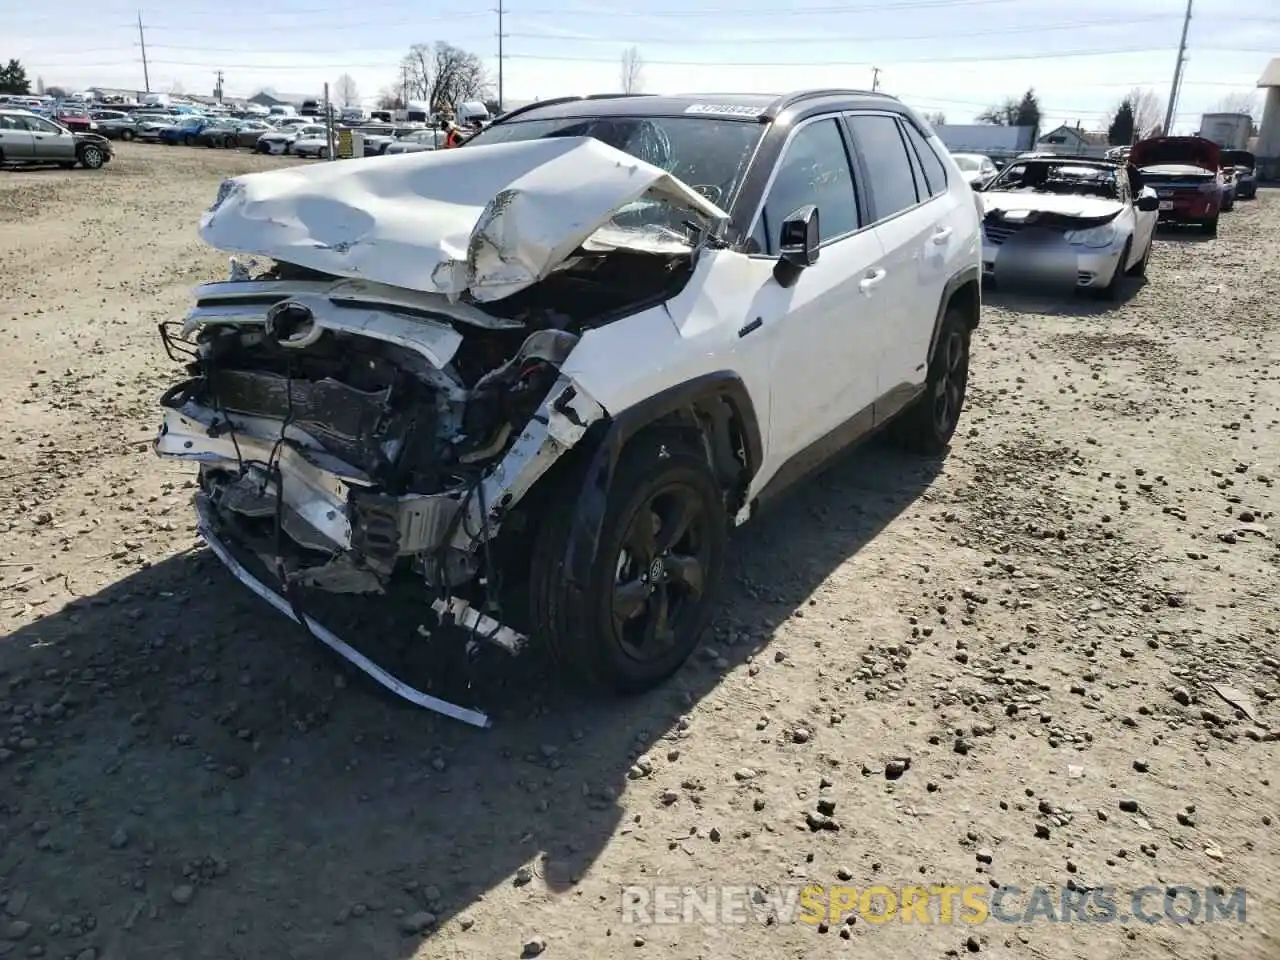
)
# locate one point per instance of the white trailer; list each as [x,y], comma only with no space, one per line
[1230,131]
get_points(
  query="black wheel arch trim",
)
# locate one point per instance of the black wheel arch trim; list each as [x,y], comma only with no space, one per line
[708,394]
[970,274]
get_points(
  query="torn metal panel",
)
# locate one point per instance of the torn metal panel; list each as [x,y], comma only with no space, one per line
[345,292]
[482,625]
[435,341]
[473,717]
[559,423]
[488,220]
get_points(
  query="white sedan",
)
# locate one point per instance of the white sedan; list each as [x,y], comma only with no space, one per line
[1069,221]
[976,167]
[318,145]
[416,142]
[282,141]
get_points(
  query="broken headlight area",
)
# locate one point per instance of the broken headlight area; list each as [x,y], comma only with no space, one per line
[359,440]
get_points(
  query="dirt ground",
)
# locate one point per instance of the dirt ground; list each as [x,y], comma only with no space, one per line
[1047,625]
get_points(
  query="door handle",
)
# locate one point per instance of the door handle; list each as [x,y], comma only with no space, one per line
[941,235]
[870,280]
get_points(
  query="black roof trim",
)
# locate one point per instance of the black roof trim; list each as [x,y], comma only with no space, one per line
[800,96]
[534,106]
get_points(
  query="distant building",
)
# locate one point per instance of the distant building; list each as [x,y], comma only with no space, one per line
[264,99]
[988,138]
[1073,141]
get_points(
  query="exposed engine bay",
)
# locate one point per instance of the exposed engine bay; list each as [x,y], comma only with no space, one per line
[381,439]
[353,436]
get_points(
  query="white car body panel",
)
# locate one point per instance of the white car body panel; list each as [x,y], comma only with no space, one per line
[490,220]
[1095,266]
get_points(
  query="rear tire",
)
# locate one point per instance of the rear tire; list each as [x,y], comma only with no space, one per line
[927,426]
[651,588]
[126,134]
[1210,227]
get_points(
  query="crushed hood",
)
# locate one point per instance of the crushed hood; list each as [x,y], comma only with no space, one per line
[1175,151]
[486,220]
[1070,211]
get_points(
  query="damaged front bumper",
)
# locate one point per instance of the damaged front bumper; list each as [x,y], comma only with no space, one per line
[273,487]
[207,524]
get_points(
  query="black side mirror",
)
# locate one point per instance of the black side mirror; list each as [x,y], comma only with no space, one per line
[798,243]
[1148,204]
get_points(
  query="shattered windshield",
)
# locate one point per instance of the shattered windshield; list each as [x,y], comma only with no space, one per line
[1058,178]
[708,154]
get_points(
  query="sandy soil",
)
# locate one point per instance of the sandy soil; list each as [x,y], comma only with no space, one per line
[1038,624]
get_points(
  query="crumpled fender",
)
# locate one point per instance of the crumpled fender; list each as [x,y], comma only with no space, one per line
[616,432]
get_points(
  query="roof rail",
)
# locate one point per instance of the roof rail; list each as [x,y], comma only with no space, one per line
[555,101]
[533,106]
[798,96]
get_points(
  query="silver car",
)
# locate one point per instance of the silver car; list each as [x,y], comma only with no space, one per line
[281,141]
[27,139]
[1067,221]
[416,142]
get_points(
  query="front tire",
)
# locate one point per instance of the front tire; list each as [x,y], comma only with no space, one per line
[1139,269]
[651,587]
[1210,227]
[1115,285]
[92,158]
[927,426]
[126,134]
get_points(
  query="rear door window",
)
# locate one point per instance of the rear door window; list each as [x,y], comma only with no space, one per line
[935,174]
[888,165]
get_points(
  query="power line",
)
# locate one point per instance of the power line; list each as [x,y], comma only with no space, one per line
[547,58]
[849,38]
[980,58]
[827,38]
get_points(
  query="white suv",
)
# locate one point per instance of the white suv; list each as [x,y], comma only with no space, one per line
[558,362]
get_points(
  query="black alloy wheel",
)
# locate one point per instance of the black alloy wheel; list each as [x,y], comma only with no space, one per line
[661,572]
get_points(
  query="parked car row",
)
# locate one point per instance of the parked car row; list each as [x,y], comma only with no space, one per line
[1089,223]
[299,136]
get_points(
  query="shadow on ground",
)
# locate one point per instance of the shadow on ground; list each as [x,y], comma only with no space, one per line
[1073,304]
[173,731]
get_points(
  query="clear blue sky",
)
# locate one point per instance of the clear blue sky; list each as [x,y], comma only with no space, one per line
[952,56]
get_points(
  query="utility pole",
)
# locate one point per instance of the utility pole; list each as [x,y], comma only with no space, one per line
[217,90]
[501,12]
[142,42]
[1177,74]
[875,79]
[404,86]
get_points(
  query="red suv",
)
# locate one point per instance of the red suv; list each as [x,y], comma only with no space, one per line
[1186,174]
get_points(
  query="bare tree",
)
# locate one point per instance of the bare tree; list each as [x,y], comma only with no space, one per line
[444,75]
[346,92]
[936,119]
[176,88]
[1148,110]
[1242,101]
[390,99]
[632,71]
